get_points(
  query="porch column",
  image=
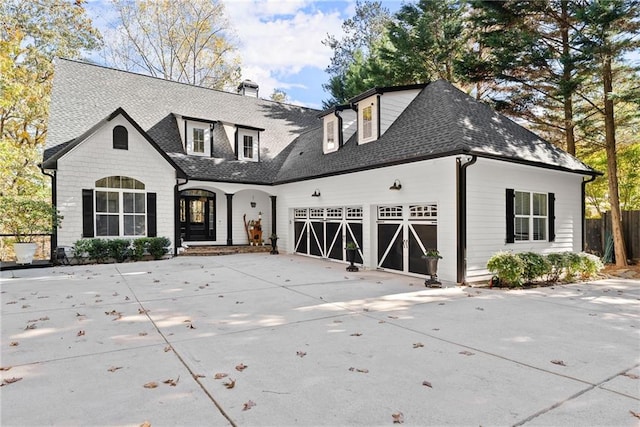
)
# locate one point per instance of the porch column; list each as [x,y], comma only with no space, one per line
[229,219]
[273,214]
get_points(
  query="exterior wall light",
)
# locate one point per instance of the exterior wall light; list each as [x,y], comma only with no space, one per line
[316,193]
[396,185]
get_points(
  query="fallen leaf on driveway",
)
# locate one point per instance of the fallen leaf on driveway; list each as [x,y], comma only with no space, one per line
[190,326]
[357,334]
[364,371]
[241,367]
[418,345]
[196,376]
[220,375]
[229,384]
[398,418]
[427,384]
[12,302]
[5,368]
[114,368]
[143,334]
[10,381]
[80,333]
[152,384]
[301,353]
[558,362]
[167,348]
[632,376]
[635,414]
[250,404]
[142,311]
[392,317]
[145,424]
[172,382]
[14,344]
[466,353]
[31,326]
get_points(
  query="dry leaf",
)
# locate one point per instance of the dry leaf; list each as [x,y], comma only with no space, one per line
[220,375]
[142,334]
[5,368]
[357,334]
[145,424]
[466,353]
[364,371]
[398,418]
[167,348]
[44,318]
[241,367]
[558,362]
[381,321]
[12,302]
[632,376]
[229,384]
[127,298]
[418,345]
[31,326]
[337,321]
[114,368]
[171,382]
[196,376]
[10,380]
[80,333]
[190,326]
[250,404]
[301,353]
[392,317]
[152,384]
[427,384]
[635,414]
[142,311]
[13,344]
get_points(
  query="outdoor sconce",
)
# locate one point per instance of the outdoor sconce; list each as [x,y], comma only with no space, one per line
[316,193]
[396,185]
[253,202]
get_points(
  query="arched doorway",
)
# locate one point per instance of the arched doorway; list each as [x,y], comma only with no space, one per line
[197,215]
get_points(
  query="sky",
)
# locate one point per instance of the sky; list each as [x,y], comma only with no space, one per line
[280,41]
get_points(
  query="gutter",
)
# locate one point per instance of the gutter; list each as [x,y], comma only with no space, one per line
[54,202]
[461,220]
[584,208]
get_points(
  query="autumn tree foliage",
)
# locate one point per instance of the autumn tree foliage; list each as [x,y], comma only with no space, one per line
[188,41]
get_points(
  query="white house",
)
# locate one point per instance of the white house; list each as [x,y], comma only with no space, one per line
[398,170]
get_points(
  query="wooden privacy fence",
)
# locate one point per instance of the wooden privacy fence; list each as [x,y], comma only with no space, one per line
[597,230]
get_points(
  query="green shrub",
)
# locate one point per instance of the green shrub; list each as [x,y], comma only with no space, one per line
[158,246]
[138,248]
[535,265]
[98,250]
[590,265]
[557,262]
[119,249]
[81,250]
[508,267]
[572,266]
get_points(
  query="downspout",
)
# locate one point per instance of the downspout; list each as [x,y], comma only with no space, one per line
[461,221]
[340,135]
[584,208]
[378,110]
[211,127]
[176,215]
[54,202]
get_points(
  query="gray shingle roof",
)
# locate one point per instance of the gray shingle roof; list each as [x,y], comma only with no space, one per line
[440,121]
[83,94]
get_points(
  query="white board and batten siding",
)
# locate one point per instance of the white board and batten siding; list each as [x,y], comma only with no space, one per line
[487,181]
[431,181]
[94,159]
[392,104]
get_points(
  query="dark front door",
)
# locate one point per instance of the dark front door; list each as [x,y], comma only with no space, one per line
[198,217]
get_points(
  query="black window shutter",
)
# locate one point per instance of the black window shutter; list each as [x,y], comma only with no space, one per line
[152,230]
[510,215]
[87,213]
[552,217]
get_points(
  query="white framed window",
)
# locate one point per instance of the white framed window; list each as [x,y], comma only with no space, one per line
[247,146]
[354,213]
[120,207]
[300,213]
[316,213]
[530,216]
[387,212]
[367,122]
[198,140]
[423,211]
[334,212]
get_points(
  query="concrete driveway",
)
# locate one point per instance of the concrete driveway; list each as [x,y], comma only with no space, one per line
[320,346]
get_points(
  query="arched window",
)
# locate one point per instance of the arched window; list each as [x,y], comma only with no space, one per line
[120,138]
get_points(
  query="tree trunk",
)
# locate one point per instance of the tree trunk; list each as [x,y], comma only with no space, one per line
[612,165]
[567,69]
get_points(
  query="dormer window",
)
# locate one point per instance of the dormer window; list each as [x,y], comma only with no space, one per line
[367,122]
[247,146]
[198,140]
[331,135]
[120,138]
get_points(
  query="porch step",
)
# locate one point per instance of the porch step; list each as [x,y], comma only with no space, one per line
[223,250]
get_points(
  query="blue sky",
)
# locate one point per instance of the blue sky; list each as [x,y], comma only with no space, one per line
[280,41]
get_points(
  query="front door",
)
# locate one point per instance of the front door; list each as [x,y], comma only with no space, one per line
[405,232]
[197,216]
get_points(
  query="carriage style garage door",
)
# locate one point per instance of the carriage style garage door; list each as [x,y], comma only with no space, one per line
[404,233]
[324,232]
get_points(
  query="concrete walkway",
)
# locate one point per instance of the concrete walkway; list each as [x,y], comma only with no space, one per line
[321,347]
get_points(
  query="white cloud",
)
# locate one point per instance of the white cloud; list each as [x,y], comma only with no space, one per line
[280,38]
